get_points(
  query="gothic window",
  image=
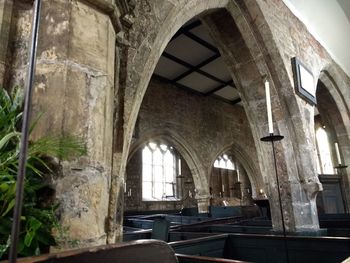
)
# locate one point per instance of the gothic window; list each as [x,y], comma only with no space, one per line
[224,162]
[159,170]
[324,162]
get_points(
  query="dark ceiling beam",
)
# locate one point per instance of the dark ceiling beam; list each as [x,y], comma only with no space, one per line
[177,60]
[201,41]
[228,83]
[209,76]
[187,28]
[188,65]
[178,85]
[188,89]
[235,101]
[197,67]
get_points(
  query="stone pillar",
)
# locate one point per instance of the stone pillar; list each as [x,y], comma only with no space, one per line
[231,183]
[203,204]
[245,185]
[298,181]
[75,91]
[5,24]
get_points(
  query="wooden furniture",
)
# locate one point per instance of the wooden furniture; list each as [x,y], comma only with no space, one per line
[331,199]
[200,259]
[266,248]
[150,251]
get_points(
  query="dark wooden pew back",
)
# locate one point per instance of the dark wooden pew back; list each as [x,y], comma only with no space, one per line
[200,259]
[150,251]
[267,248]
[211,246]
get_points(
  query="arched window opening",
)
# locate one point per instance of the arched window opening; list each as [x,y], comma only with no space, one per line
[229,182]
[160,166]
[324,157]
[224,162]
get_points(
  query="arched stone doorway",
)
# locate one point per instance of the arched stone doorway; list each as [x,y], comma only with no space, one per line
[334,115]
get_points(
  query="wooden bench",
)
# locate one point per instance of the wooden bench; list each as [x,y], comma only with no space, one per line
[200,259]
[267,248]
[150,251]
[212,246]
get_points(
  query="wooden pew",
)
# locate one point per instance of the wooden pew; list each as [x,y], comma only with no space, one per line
[202,250]
[301,249]
[150,251]
[200,259]
[212,246]
[267,248]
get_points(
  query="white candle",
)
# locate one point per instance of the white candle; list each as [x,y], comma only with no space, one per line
[337,152]
[124,187]
[268,105]
[237,175]
[223,188]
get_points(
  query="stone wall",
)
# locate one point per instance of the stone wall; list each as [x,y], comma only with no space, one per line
[208,126]
[5,27]
[82,90]
[290,38]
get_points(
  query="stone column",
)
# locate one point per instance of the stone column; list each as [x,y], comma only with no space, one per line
[74,90]
[203,204]
[5,25]
[298,181]
[246,194]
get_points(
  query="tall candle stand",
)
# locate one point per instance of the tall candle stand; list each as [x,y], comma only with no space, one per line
[273,138]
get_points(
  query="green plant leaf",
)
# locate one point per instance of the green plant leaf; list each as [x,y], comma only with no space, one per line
[9,207]
[28,238]
[37,222]
[4,247]
[7,138]
[34,224]
[4,187]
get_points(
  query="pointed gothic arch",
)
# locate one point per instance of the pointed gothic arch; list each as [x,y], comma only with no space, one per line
[187,153]
[252,169]
[254,56]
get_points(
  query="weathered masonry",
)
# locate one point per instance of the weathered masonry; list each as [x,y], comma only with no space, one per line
[94,79]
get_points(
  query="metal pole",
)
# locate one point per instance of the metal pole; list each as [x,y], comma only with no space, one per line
[25,133]
[280,202]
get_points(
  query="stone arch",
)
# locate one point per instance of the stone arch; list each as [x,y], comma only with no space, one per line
[186,151]
[256,56]
[246,161]
[182,12]
[293,119]
[331,84]
[336,114]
